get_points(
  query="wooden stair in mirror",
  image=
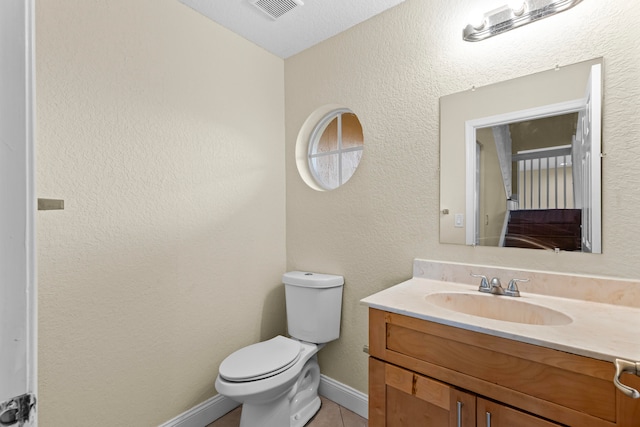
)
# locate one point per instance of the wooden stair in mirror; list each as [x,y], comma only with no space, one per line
[545,229]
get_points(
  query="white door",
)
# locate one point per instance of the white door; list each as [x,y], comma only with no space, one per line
[588,138]
[17,212]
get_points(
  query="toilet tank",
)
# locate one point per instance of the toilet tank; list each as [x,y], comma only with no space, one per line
[314,305]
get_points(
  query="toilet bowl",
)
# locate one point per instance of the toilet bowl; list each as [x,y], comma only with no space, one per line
[277,380]
[274,391]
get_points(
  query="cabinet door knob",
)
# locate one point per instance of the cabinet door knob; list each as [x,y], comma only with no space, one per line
[488,419]
[459,414]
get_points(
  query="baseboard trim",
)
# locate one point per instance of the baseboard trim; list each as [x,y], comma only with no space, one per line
[204,413]
[218,406]
[345,396]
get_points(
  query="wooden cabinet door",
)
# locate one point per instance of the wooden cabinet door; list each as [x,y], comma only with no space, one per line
[492,414]
[401,398]
[463,409]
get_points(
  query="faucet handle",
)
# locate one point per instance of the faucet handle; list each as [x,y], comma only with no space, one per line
[484,283]
[512,289]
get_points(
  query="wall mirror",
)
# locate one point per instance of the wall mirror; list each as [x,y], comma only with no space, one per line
[520,162]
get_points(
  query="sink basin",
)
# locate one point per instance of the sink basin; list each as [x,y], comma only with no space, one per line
[507,309]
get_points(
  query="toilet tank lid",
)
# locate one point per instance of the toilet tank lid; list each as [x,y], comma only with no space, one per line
[312,280]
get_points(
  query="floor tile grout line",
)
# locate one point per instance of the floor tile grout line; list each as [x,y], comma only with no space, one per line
[341,414]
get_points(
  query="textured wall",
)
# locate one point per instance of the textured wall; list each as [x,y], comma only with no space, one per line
[391,71]
[167,146]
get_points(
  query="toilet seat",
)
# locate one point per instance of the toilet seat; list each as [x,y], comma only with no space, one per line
[261,360]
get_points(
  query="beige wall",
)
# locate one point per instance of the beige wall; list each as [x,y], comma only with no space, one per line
[164,135]
[392,70]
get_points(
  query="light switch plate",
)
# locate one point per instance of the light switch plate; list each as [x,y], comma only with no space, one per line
[458,220]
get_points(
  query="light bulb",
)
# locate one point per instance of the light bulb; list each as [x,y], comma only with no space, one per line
[517,7]
[478,22]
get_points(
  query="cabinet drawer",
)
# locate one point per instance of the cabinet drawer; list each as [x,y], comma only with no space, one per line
[492,414]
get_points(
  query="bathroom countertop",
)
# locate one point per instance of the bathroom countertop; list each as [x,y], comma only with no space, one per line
[598,330]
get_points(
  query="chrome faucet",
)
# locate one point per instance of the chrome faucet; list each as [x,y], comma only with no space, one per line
[494,287]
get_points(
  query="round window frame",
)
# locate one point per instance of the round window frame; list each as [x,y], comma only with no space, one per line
[314,140]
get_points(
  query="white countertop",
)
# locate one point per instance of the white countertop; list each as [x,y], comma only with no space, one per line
[598,330]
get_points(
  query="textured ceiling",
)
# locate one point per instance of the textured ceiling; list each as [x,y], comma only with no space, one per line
[296,30]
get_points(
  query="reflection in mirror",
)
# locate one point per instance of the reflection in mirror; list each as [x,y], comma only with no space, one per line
[532,174]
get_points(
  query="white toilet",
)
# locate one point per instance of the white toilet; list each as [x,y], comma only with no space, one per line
[277,380]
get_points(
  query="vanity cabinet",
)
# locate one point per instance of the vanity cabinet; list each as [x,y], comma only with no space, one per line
[423,373]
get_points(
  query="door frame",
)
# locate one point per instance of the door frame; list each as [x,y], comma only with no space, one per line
[32,204]
[25,197]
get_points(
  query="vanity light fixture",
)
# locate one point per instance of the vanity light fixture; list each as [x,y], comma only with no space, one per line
[507,17]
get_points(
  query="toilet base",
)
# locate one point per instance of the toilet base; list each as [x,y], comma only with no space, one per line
[303,416]
[268,415]
[293,409]
[305,401]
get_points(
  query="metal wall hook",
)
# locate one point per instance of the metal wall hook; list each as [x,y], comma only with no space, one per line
[50,204]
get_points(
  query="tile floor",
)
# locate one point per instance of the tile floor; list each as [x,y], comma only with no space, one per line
[330,415]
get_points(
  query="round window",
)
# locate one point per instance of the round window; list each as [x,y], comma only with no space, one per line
[335,148]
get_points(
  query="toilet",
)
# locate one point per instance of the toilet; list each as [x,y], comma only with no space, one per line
[277,380]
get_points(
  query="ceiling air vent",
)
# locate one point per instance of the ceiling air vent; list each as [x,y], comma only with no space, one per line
[276,8]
